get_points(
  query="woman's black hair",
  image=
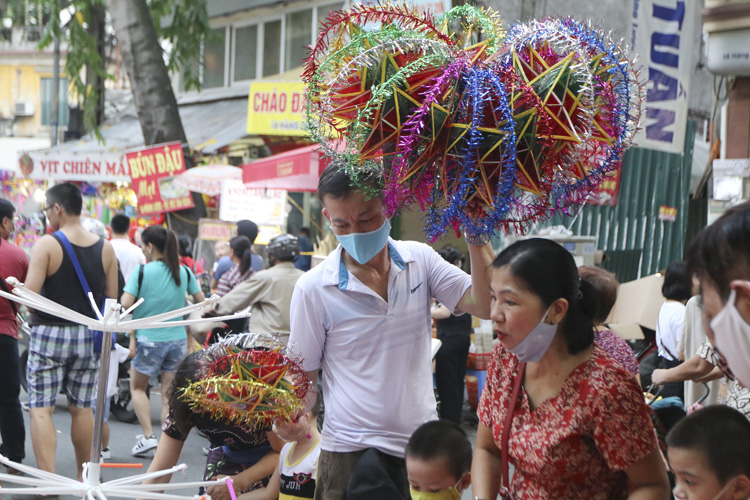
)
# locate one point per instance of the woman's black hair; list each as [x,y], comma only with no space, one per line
[180,411]
[166,242]
[240,245]
[450,254]
[184,242]
[721,252]
[678,283]
[547,270]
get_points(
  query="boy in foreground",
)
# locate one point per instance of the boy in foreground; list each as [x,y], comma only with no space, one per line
[438,461]
[709,453]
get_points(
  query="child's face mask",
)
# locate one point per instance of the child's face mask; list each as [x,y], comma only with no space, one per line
[451,493]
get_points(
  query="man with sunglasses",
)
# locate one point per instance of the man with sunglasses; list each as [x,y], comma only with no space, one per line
[61,353]
[13,262]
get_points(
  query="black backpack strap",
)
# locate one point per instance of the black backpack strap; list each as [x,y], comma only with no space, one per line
[188,272]
[140,278]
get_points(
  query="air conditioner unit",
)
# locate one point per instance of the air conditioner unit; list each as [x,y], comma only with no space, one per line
[23,108]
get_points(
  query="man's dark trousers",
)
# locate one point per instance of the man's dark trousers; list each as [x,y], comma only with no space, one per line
[12,429]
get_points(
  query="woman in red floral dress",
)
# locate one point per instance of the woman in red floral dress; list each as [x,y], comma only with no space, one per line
[580,428]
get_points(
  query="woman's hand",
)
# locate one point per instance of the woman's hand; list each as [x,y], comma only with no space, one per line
[166,456]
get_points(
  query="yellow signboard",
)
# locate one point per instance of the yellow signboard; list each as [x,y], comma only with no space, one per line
[276,109]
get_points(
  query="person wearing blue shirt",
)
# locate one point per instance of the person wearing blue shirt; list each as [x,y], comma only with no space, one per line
[244,228]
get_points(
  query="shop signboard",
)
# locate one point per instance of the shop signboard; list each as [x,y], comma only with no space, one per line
[730,179]
[667,214]
[262,206]
[663,36]
[73,166]
[216,230]
[152,170]
[276,109]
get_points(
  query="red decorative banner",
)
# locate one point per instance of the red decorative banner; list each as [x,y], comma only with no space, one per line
[151,171]
[607,191]
[668,214]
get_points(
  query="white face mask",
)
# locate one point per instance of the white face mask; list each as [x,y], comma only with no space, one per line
[732,335]
[533,347]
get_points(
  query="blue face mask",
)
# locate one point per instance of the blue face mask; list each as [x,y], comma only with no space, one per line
[364,246]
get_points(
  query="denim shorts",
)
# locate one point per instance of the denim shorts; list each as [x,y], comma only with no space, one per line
[152,358]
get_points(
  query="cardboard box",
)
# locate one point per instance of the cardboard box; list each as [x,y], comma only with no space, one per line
[638,304]
[583,248]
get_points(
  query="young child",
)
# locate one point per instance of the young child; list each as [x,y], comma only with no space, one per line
[709,453]
[118,355]
[438,461]
[294,477]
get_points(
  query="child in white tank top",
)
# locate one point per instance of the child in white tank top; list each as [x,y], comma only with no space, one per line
[294,477]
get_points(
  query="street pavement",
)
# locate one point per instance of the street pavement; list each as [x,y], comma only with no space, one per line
[122,439]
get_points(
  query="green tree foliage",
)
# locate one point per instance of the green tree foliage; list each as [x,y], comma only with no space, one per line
[184,35]
[187,30]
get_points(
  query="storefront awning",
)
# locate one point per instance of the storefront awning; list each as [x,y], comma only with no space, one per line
[209,126]
[296,170]
[10,147]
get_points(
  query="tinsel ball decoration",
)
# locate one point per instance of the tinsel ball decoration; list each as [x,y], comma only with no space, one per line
[248,379]
[482,129]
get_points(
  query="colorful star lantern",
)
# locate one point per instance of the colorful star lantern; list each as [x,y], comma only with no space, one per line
[485,135]
[250,379]
[591,96]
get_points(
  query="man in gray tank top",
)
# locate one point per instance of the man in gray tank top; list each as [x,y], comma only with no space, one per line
[61,353]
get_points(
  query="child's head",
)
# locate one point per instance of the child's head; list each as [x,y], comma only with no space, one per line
[438,460]
[309,425]
[221,249]
[709,453]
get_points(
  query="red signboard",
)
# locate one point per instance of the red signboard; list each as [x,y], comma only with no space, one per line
[606,192]
[667,214]
[151,171]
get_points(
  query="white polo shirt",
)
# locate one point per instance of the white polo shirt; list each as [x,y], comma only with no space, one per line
[375,355]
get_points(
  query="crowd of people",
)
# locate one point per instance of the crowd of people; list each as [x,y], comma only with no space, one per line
[562,405]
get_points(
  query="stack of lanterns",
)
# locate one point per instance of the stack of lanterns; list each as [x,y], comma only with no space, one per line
[485,135]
